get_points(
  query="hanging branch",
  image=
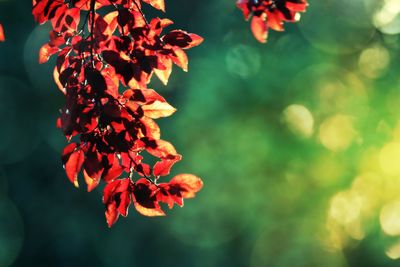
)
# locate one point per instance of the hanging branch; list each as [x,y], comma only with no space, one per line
[270,14]
[109,132]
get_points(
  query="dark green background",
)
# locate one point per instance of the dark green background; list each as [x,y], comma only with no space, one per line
[276,193]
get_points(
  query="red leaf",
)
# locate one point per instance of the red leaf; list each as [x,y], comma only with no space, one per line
[163,149]
[270,14]
[274,21]
[45,52]
[163,167]
[297,7]
[111,213]
[114,171]
[124,202]
[242,4]
[182,39]
[93,168]
[2,38]
[116,197]
[259,29]
[73,162]
[145,200]
[188,184]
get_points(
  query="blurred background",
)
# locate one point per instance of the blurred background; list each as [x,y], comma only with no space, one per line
[297,142]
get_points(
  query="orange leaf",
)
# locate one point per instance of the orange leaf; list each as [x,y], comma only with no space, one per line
[152,129]
[196,40]
[274,21]
[111,214]
[150,212]
[144,199]
[45,52]
[164,149]
[163,75]
[56,76]
[259,29]
[158,109]
[189,183]
[180,58]
[158,4]
[91,182]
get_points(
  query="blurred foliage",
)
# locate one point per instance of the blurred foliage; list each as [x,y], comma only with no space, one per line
[297,141]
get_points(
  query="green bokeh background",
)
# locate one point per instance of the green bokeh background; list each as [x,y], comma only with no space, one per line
[295,141]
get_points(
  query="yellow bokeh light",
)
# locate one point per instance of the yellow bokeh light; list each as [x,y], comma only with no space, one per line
[387,18]
[369,187]
[396,132]
[337,132]
[389,158]
[373,61]
[347,213]
[355,230]
[299,120]
[336,238]
[390,218]
[345,207]
[393,252]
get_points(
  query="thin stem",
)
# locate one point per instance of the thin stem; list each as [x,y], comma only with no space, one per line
[141,12]
[93,13]
[145,20]
[82,30]
[115,6]
[145,176]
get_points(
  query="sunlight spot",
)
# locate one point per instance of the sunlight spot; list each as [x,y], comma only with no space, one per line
[337,132]
[345,207]
[336,237]
[393,252]
[299,120]
[369,186]
[396,132]
[387,19]
[355,230]
[390,218]
[373,61]
[389,158]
